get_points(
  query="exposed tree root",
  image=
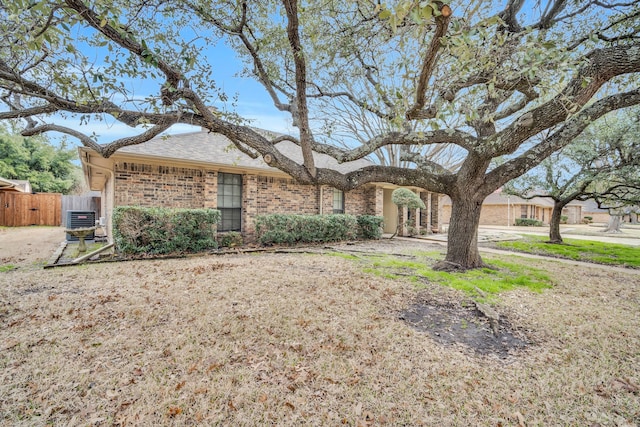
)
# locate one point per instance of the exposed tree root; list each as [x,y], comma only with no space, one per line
[448,266]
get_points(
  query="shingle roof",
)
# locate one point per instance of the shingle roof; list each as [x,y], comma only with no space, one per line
[15,185]
[216,149]
[498,198]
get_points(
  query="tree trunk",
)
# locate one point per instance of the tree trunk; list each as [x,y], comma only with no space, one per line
[462,246]
[614,224]
[554,223]
[633,218]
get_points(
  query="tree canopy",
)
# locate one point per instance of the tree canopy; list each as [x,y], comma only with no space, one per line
[514,80]
[602,163]
[48,168]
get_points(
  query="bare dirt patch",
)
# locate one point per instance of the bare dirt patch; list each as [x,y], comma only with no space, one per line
[26,246]
[303,339]
[457,324]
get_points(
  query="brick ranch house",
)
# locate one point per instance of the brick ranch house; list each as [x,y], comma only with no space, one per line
[503,209]
[204,170]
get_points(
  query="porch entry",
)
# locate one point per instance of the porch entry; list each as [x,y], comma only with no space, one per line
[389,211]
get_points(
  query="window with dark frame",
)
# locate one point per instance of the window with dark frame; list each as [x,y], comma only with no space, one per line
[230,201]
[338,201]
[523,211]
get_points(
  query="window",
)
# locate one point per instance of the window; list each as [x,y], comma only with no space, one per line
[338,201]
[523,211]
[230,201]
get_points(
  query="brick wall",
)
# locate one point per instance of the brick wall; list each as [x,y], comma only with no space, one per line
[166,186]
[153,185]
[359,201]
[282,195]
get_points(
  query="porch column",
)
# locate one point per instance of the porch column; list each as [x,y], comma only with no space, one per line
[418,214]
[403,220]
[378,208]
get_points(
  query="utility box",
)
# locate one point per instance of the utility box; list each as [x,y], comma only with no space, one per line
[80,219]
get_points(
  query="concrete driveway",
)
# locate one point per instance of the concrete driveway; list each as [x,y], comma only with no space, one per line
[32,245]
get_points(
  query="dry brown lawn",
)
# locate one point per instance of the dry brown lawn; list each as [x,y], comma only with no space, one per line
[303,339]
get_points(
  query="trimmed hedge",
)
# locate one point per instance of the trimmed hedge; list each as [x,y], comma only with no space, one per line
[230,239]
[528,222]
[369,226]
[291,228]
[139,230]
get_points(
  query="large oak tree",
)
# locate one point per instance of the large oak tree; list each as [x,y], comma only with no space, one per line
[512,80]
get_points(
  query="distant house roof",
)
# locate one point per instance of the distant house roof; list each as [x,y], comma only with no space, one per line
[592,206]
[18,185]
[217,149]
[500,198]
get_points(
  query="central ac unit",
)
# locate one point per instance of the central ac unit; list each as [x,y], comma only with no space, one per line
[81,219]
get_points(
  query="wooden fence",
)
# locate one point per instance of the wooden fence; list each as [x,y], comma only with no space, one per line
[22,209]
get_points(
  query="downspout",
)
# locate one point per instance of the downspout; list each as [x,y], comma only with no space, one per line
[110,192]
[320,202]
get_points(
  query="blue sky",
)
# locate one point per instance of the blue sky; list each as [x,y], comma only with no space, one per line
[253,103]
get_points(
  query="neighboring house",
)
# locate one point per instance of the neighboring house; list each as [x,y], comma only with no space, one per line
[204,170]
[18,185]
[598,215]
[503,209]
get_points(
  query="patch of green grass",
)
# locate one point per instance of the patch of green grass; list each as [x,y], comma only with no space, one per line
[579,250]
[6,267]
[504,276]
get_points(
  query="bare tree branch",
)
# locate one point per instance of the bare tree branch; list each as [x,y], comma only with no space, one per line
[563,136]
[429,61]
[603,64]
[301,112]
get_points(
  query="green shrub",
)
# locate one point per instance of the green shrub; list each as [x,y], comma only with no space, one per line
[230,239]
[369,226]
[528,222]
[411,228]
[290,228]
[139,230]
[563,219]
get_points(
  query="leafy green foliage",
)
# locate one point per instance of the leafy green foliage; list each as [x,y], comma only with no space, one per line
[230,239]
[291,228]
[406,197]
[154,231]
[49,169]
[369,226]
[528,222]
[580,250]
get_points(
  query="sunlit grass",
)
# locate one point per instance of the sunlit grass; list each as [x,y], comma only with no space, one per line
[6,267]
[480,284]
[580,250]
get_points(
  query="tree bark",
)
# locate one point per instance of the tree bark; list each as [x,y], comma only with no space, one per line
[614,224]
[554,223]
[462,246]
